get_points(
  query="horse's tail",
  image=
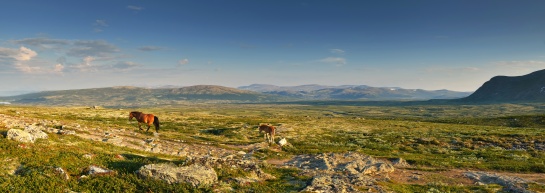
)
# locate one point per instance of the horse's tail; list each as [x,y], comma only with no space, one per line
[156,123]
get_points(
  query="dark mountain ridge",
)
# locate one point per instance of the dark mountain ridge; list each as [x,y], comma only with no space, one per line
[530,87]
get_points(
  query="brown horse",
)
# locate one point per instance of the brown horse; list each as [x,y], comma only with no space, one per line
[269,132]
[145,118]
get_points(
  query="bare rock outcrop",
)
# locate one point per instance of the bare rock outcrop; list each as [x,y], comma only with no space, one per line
[510,184]
[28,135]
[196,175]
[347,172]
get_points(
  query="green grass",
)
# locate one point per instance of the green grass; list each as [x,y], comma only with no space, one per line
[501,137]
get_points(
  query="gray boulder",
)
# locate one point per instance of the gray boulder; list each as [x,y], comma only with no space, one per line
[36,132]
[20,135]
[94,170]
[196,175]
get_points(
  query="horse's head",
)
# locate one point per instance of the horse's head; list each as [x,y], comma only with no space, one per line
[131,115]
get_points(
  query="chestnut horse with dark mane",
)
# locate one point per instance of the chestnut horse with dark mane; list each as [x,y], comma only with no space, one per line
[145,118]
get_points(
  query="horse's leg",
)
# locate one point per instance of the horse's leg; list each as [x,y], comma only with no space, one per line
[140,125]
[272,137]
[148,127]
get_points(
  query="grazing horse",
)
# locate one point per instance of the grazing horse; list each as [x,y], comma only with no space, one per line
[145,118]
[269,132]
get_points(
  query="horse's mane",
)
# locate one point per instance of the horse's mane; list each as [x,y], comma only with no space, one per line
[136,112]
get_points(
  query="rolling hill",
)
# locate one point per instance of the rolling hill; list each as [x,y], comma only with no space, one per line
[137,96]
[526,88]
[353,92]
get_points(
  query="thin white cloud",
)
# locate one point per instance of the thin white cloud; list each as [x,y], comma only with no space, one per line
[87,60]
[58,68]
[25,54]
[22,60]
[95,48]
[183,61]
[338,61]
[9,53]
[101,23]
[43,43]
[21,54]
[337,51]
[135,8]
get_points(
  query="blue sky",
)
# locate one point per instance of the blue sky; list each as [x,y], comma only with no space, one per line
[455,45]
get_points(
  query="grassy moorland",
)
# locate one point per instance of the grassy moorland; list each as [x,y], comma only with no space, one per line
[497,137]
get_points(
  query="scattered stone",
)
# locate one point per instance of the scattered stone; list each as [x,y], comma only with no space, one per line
[196,175]
[339,183]
[66,132]
[94,170]
[282,142]
[88,156]
[36,132]
[241,153]
[59,171]
[400,163]
[20,135]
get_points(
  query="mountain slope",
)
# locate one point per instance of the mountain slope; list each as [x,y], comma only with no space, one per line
[136,96]
[530,87]
[354,92]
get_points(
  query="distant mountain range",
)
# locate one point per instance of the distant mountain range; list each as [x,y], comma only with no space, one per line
[353,92]
[138,96]
[530,88]
[527,88]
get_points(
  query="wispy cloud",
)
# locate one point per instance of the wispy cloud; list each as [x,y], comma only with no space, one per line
[99,25]
[95,48]
[150,48]
[23,60]
[337,51]
[58,68]
[43,43]
[337,61]
[72,56]
[135,8]
[183,62]
[21,54]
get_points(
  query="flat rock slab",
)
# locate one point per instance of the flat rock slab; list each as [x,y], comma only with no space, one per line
[196,175]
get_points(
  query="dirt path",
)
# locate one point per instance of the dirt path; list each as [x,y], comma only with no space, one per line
[125,138]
